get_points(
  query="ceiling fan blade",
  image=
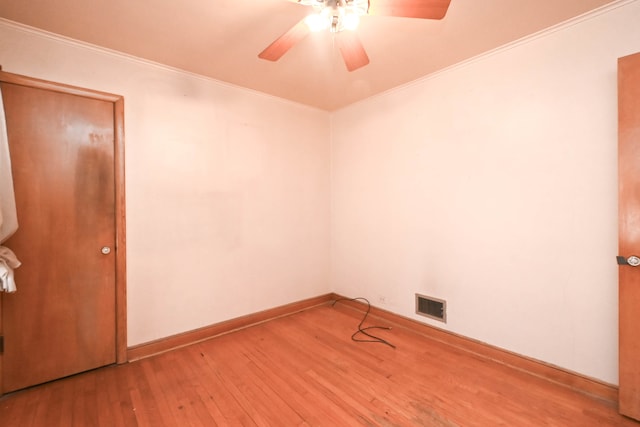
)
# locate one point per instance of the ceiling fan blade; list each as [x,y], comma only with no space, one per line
[282,44]
[424,9]
[352,50]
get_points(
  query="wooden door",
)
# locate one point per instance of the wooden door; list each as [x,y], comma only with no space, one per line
[629,233]
[63,319]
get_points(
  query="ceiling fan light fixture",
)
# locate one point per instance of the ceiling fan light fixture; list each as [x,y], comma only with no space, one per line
[316,22]
[337,15]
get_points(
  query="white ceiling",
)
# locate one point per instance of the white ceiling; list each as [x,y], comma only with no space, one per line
[222,38]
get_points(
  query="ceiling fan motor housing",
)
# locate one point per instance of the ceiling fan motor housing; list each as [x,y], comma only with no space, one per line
[337,15]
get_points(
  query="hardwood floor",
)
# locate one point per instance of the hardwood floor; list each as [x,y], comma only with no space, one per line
[304,370]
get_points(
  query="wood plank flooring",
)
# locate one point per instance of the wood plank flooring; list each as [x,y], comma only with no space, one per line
[304,370]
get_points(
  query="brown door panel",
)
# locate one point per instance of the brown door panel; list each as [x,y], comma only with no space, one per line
[629,233]
[62,319]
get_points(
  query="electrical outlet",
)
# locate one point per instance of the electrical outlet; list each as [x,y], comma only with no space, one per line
[382,299]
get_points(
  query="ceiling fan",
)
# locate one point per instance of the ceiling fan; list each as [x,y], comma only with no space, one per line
[340,15]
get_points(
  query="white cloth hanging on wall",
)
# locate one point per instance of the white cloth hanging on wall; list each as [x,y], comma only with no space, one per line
[8,214]
[8,261]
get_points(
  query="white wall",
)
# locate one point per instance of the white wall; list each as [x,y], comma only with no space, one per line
[493,185]
[227,197]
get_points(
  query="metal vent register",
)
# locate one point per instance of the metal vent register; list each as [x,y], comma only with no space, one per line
[431,307]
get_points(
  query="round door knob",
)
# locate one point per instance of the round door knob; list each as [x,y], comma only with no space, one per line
[633,261]
[106,250]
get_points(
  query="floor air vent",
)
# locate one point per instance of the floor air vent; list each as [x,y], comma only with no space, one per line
[431,307]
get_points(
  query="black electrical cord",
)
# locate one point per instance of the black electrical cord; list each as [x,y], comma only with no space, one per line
[362,330]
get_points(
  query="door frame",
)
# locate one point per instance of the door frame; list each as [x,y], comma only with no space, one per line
[120,217]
